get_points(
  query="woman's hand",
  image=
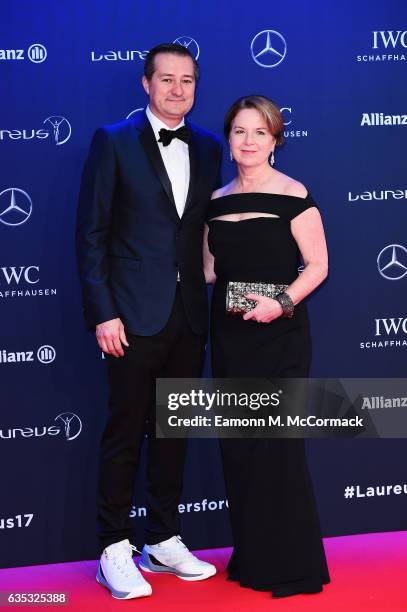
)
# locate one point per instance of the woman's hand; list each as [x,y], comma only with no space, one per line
[266,310]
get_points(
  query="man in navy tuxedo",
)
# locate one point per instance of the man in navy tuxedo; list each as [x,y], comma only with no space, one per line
[144,192]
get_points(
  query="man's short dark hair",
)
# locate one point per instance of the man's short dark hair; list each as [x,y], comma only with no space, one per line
[174,48]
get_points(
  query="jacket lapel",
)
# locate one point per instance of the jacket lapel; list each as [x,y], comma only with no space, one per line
[149,143]
[193,168]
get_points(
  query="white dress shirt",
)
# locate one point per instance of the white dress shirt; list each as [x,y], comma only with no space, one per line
[176,161]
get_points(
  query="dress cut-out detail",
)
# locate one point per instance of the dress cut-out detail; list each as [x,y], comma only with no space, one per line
[261,216]
[285,207]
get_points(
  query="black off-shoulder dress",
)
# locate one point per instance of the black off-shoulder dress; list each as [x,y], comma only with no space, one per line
[275,526]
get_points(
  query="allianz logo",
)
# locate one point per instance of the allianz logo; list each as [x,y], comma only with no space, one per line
[114,56]
[394,325]
[36,53]
[44,354]
[375,119]
[375,402]
[12,54]
[388,38]
[378,194]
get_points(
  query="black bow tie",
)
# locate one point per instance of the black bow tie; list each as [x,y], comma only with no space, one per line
[183,133]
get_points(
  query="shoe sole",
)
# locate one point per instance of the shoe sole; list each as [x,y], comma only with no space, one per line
[119,594]
[152,570]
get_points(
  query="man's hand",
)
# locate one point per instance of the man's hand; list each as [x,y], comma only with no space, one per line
[110,337]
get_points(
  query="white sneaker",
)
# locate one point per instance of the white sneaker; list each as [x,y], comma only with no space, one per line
[173,557]
[118,573]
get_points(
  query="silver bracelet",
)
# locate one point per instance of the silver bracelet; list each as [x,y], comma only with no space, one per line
[286,304]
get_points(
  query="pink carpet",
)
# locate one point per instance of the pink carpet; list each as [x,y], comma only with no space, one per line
[368,572]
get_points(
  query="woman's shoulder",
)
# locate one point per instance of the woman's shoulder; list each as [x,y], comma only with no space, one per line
[299,199]
[223,191]
[291,187]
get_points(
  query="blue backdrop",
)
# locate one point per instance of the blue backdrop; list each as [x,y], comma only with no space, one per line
[338,71]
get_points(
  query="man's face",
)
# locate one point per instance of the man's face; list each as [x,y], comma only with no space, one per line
[172,87]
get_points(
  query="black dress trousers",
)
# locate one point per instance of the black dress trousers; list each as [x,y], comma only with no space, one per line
[176,351]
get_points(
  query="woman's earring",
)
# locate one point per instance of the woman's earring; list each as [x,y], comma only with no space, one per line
[271,160]
[231,155]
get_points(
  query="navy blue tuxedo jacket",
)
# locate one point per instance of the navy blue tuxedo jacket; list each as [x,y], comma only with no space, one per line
[130,240]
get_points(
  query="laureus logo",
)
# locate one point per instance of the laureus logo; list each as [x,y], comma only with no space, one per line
[72,424]
[133,112]
[60,128]
[378,195]
[190,44]
[120,55]
[67,422]
[57,130]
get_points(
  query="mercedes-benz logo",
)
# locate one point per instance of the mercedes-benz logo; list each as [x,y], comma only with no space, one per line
[72,424]
[268,48]
[133,112]
[15,206]
[392,262]
[61,128]
[190,44]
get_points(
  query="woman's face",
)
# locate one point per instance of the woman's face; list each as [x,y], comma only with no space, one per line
[251,141]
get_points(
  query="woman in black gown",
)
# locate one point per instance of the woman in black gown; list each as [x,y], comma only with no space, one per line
[258,225]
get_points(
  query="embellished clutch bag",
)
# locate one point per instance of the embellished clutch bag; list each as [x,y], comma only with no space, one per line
[237,303]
